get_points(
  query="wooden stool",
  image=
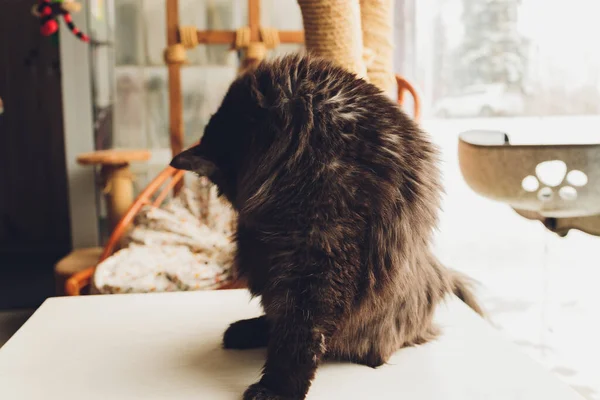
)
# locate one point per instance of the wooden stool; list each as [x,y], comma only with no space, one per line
[117,178]
[75,261]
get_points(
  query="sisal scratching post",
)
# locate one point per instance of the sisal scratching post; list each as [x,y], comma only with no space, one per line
[377,20]
[332,30]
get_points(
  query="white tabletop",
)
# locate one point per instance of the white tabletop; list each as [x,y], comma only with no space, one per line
[167,346]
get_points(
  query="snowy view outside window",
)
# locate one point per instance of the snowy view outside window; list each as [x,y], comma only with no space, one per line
[530,69]
[483,58]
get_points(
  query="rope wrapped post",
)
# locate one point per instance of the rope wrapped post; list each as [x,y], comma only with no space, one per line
[377,19]
[247,39]
[175,54]
[332,30]
[253,40]
[188,36]
[255,51]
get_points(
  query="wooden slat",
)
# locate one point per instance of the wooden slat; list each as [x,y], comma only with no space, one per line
[291,36]
[175,109]
[254,19]
[175,100]
[216,37]
[228,37]
[178,177]
[172,22]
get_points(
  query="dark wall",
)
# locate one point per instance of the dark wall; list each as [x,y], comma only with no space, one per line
[34,219]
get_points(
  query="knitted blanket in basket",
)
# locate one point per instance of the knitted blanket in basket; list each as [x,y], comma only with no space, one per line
[183,245]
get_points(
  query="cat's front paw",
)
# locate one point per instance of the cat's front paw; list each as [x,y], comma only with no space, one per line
[260,392]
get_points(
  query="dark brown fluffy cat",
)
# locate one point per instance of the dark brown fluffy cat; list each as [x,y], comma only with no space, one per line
[338,193]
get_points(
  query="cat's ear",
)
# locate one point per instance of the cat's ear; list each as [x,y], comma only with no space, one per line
[192,160]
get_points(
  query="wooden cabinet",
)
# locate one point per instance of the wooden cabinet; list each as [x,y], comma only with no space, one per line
[34,216]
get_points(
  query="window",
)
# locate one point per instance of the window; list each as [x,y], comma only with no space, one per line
[537,47]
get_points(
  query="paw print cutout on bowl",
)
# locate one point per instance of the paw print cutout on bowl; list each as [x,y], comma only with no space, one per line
[552,174]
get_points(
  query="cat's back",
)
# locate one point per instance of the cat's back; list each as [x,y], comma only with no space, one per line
[350,178]
[327,98]
[344,142]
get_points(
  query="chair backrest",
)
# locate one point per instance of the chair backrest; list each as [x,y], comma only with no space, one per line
[154,194]
[405,86]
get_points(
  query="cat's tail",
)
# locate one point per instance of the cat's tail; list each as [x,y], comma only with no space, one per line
[462,287]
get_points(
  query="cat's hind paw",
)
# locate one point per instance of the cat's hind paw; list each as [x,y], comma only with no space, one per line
[247,334]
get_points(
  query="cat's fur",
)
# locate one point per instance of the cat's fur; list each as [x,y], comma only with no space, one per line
[337,192]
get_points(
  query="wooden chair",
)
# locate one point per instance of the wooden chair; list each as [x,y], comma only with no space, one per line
[154,194]
[404,87]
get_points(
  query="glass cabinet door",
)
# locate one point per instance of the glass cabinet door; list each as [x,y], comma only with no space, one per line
[130,79]
[130,76]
